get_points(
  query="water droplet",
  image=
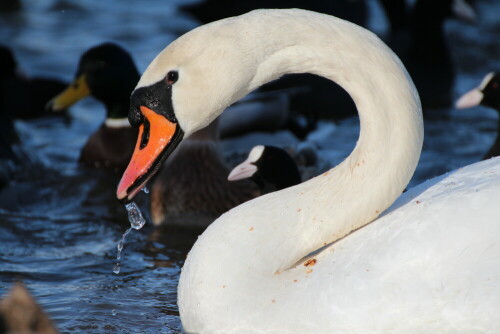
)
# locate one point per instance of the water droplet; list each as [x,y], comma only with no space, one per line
[145,189]
[137,221]
[116,268]
[120,246]
[135,216]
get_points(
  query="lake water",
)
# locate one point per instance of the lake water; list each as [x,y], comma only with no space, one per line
[60,223]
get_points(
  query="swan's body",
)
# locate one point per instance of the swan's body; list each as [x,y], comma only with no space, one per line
[427,266]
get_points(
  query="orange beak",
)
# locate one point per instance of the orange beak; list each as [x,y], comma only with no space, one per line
[156,134]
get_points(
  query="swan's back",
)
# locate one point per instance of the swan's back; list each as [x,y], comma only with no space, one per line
[430,264]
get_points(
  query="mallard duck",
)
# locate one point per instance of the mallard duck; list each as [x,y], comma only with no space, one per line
[486,94]
[330,255]
[191,190]
[108,73]
[22,97]
[270,167]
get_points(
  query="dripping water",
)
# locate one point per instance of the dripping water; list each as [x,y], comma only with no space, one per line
[135,217]
[137,221]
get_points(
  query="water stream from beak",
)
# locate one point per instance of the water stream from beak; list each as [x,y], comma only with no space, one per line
[137,221]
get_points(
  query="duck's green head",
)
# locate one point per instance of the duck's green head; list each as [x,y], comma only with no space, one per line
[106,72]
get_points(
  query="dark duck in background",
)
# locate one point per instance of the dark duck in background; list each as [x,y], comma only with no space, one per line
[8,158]
[108,73]
[427,56]
[22,97]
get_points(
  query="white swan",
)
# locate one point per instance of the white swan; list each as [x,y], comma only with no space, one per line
[431,264]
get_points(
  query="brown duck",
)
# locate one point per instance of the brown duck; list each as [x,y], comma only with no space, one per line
[192,190]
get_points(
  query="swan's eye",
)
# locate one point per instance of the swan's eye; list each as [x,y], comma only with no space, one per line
[172,77]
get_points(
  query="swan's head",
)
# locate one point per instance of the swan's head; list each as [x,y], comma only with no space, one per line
[183,90]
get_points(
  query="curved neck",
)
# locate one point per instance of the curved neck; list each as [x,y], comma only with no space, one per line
[268,235]
[385,157]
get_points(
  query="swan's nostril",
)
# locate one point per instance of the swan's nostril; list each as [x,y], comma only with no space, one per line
[145,134]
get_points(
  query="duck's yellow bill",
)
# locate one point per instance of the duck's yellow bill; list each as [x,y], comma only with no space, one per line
[76,91]
[155,134]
